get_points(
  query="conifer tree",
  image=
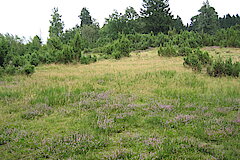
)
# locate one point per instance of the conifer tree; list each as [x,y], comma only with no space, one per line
[57,25]
[206,21]
[85,17]
[157,16]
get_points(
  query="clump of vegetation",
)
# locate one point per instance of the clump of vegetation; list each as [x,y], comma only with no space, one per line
[168,51]
[28,69]
[216,68]
[37,111]
[122,47]
[197,60]
[224,68]
[87,59]
[119,48]
[1,71]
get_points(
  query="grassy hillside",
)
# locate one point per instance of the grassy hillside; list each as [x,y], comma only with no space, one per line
[142,107]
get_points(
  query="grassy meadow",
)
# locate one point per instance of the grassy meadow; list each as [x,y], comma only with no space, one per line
[140,107]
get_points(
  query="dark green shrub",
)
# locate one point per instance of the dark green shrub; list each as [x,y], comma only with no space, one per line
[204,57]
[161,39]
[29,69]
[193,61]
[184,51]
[188,39]
[229,37]
[224,68]
[18,61]
[117,55]
[122,46]
[168,51]
[10,69]
[197,59]
[88,59]
[67,55]
[1,71]
[35,59]
[55,43]
[107,49]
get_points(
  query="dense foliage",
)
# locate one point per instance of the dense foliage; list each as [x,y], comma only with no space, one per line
[198,59]
[224,68]
[206,21]
[122,33]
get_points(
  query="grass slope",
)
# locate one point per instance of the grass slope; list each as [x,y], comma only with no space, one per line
[142,107]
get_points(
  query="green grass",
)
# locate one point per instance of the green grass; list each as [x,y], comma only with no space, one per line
[142,107]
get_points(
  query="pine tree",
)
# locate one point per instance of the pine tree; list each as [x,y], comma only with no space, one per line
[178,24]
[157,16]
[85,17]
[57,25]
[206,21]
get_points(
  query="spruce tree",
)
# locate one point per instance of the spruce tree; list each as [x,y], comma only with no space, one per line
[57,25]
[206,21]
[85,17]
[156,16]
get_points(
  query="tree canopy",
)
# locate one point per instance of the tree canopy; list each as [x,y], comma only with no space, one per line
[157,16]
[85,17]
[57,25]
[206,21]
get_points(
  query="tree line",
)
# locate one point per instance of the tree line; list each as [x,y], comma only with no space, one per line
[154,26]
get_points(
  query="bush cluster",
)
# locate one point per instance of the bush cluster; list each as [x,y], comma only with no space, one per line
[197,60]
[174,51]
[87,59]
[16,56]
[224,68]
[216,68]
[118,49]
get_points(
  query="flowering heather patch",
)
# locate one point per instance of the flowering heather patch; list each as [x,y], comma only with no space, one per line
[95,95]
[154,142]
[156,106]
[92,100]
[101,81]
[224,110]
[135,106]
[119,154]
[222,132]
[6,135]
[123,115]
[190,106]
[125,99]
[237,120]
[37,111]
[181,118]
[184,118]
[104,122]
[74,144]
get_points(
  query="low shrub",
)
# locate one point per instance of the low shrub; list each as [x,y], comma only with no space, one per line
[197,60]
[28,69]
[168,51]
[1,71]
[107,49]
[37,111]
[88,59]
[34,59]
[122,47]
[193,61]
[117,55]
[10,69]
[224,68]
[174,51]
[184,51]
